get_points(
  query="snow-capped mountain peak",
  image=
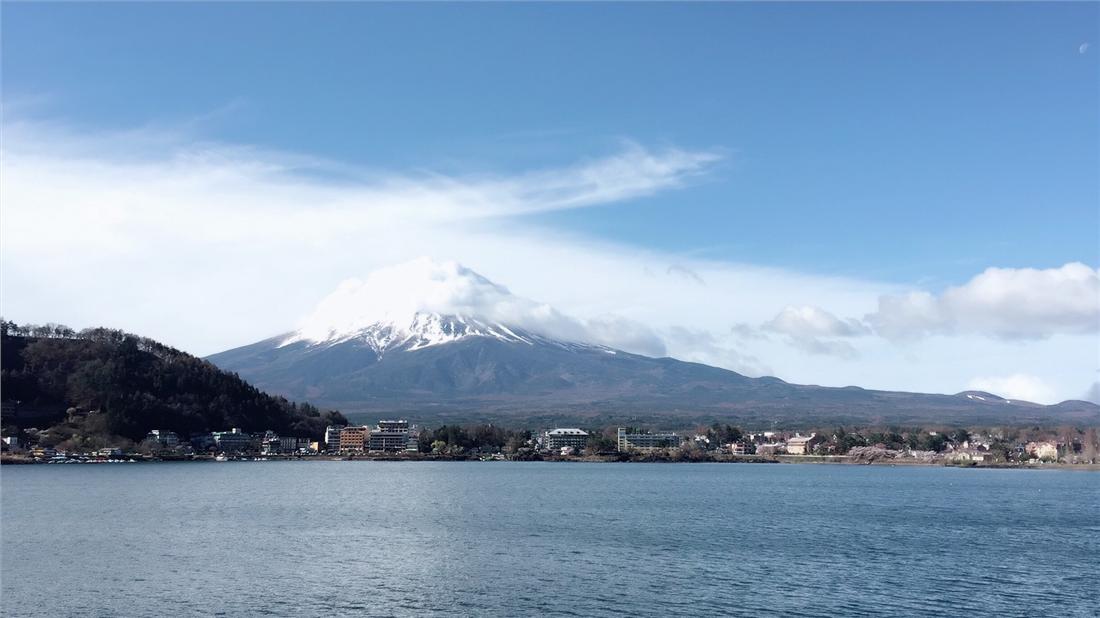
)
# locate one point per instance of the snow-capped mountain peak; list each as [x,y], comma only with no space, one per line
[418,330]
[424,330]
[426,303]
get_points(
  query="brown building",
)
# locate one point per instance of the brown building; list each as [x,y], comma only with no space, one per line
[354,438]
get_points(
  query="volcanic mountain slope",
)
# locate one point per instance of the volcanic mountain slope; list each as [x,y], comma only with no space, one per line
[437,366]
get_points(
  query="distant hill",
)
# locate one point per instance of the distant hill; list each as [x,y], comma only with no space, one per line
[460,368]
[108,382]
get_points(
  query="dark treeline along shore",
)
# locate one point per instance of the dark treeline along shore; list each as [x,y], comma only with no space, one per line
[107,391]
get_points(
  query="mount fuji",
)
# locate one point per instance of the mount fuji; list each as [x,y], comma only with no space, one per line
[440,343]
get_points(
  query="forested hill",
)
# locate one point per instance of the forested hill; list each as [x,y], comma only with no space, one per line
[103,382]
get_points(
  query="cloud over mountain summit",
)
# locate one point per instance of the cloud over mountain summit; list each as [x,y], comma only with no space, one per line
[396,293]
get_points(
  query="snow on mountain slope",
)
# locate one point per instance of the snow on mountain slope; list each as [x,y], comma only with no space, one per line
[422,330]
[413,332]
[440,340]
[424,303]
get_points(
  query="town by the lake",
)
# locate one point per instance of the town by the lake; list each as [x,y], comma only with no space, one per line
[398,439]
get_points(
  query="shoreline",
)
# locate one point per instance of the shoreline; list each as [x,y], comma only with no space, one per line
[837,460]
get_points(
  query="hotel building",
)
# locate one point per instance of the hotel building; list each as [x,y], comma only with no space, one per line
[637,441]
[354,438]
[565,437]
[389,436]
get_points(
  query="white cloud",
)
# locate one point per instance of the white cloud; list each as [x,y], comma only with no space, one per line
[207,246]
[232,242]
[809,321]
[826,347]
[395,293]
[1018,386]
[1093,393]
[1011,303]
[135,189]
[634,172]
[812,330]
[747,332]
[630,335]
[702,346]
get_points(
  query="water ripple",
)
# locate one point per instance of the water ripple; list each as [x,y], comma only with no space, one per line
[416,539]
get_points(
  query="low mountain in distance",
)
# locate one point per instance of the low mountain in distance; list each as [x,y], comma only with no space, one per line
[100,384]
[372,356]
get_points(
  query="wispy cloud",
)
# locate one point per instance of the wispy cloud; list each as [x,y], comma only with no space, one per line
[100,188]
[633,172]
[209,245]
[149,209]
[1017,386]
[705,347]
[816,331]
[683,271]
[1093,393]
[810,321]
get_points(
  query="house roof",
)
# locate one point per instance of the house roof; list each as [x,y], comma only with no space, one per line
[566,431]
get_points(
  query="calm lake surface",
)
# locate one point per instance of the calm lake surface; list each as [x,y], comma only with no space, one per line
[507,539]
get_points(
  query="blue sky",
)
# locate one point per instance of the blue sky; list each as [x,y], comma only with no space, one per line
[811,190]
[905,142]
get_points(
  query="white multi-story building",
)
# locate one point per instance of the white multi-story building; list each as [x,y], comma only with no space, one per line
[165,438]
[332,438]
[389,436]
[232,440]
[565,437]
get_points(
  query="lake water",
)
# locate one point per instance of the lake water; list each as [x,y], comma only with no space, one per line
[508,539]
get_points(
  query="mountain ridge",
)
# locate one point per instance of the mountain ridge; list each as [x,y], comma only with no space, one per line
[486,370]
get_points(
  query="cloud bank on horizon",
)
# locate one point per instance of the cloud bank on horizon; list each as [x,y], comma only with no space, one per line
[208,246]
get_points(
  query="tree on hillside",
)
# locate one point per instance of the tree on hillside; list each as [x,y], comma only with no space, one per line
[138,385]
[599,442]
[1090,446]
